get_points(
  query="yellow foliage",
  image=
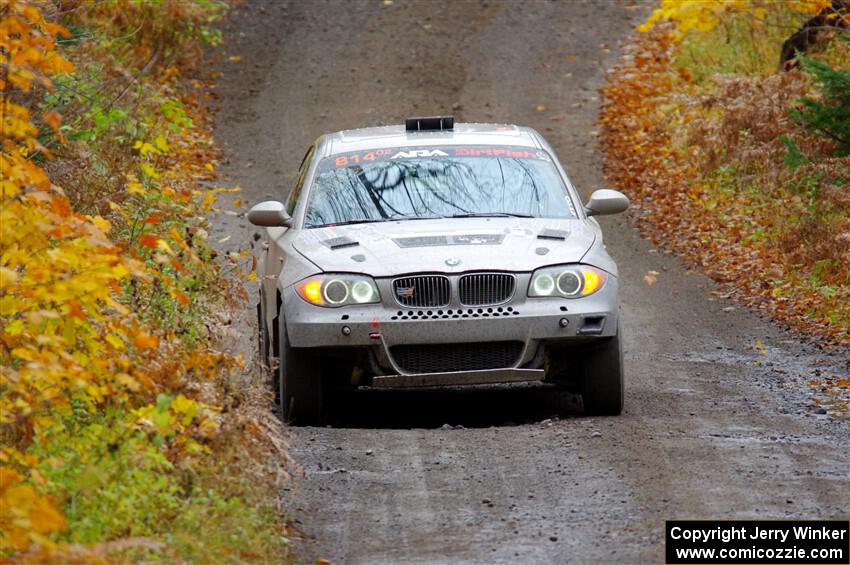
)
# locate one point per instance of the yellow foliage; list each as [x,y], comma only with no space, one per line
[702,16]
[64,336]
[27,40]
[58,267]
[27,516]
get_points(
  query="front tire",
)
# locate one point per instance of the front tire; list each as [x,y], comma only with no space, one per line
[602,378]
[264,343]
[300,382]
[264,347]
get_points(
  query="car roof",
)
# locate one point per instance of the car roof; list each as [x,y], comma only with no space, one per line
[396,136]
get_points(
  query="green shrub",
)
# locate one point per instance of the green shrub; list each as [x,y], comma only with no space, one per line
[830,115]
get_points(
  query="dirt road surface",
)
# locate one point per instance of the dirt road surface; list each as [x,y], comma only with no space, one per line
[715,426]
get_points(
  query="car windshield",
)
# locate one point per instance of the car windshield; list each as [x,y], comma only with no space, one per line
[409,184]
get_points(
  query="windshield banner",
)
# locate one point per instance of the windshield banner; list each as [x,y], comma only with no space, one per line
[403,153]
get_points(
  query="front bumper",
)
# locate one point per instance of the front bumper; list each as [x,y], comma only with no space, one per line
[376,328]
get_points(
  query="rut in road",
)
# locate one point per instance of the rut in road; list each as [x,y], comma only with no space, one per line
[713,427]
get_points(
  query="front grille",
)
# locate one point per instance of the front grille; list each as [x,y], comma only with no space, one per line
[484,289]
[423,291]
[448,357]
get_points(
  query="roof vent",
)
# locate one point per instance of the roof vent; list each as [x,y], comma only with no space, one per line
[432,123]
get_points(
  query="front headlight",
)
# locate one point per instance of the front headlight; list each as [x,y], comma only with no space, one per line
[567,281]
[338,290]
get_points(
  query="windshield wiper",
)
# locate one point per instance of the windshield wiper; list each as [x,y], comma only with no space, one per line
[491,215]
[418,218]
[374,220]
[349,222]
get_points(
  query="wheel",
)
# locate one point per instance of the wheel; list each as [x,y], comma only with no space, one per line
[264,344]
[264,348]
[299,376]
[561,368]
[602,377]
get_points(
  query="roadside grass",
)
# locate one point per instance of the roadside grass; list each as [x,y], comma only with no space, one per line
[741,44]
[127,433]
[700,131]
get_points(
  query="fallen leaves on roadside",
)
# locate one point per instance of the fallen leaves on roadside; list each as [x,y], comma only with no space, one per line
[707,170]
[677,150]
[650,278]
[110,357]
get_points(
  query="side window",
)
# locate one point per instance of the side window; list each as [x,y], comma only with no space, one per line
[299,182]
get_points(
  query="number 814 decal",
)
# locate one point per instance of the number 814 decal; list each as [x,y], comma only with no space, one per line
[354,158]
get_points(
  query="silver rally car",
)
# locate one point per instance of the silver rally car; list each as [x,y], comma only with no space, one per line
[437,254]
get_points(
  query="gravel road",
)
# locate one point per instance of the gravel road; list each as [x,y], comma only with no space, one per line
[717,423]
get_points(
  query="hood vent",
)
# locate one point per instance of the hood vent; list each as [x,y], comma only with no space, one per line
[340,242]
[422,241]
[478,239]
[548,233]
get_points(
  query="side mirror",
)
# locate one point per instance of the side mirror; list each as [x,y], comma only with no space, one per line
[606,201]
[269,214]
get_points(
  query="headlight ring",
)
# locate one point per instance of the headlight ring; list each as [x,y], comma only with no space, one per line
[569,283]
[362,292]
[336,292]
[543,284]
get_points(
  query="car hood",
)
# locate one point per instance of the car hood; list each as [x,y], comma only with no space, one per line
[447,245]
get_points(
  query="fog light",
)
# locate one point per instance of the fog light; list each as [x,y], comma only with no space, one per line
[346,330]
[563,322]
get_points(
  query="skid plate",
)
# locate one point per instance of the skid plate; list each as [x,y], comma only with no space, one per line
[489,376]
